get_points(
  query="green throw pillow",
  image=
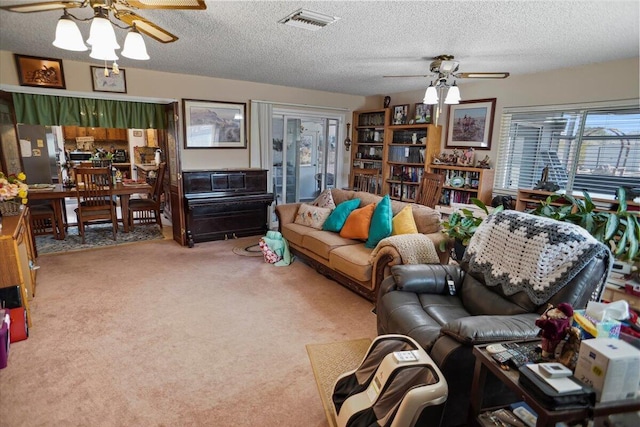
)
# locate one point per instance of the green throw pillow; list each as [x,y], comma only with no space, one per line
[336,220]
[380,223]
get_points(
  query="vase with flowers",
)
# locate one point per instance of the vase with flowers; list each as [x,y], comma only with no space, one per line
[13,194]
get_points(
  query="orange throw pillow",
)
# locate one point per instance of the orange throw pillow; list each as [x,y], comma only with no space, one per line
[357,224]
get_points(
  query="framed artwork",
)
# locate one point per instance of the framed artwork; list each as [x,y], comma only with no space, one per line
[10,157]
[40,72]
[104,80]
[423,113]
[213,124]
[400,114]
[470,124]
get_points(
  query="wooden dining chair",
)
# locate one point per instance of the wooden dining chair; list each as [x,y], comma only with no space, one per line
[43,218]
[147,210]
[95,198]
[366,180]
[430,189]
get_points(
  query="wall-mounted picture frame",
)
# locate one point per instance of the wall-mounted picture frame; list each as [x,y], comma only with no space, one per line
[470,124]
[107,81]
[400,114]
[214,124]
[424,113]
[40,72]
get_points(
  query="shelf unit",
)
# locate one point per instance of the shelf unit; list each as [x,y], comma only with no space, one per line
[408,149]
[529,199]
[368,139]
[478,183]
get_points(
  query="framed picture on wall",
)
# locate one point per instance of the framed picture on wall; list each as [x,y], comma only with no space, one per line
[470,124]
[400,114]
[104,80]
[40,72]
[213,124]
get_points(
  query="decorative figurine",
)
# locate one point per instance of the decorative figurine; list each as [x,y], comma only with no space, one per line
[387,101]
[544,183]
[554,323]
[467,158]
[484,163]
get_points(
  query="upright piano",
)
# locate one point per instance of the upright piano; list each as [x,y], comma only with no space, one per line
[225,203]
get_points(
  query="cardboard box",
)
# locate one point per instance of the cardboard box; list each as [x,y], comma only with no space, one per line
[611,367]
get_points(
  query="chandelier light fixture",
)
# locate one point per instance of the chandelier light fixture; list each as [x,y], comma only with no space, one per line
[102,38]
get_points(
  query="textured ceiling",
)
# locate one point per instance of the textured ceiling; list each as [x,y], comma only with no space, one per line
[242,40]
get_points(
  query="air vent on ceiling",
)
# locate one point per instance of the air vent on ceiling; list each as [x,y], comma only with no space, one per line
[308,20]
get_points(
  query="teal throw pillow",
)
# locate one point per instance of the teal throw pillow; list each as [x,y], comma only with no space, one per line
[380,223]
[336,220]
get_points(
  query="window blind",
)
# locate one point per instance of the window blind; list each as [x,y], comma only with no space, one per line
[593,149]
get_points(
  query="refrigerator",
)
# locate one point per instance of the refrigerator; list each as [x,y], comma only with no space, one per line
[39,151]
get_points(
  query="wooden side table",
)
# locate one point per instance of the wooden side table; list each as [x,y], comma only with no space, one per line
[546,417]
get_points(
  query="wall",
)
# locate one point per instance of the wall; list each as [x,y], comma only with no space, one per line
[610,81]
[157,84]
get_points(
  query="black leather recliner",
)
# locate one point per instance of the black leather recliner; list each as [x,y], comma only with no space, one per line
[416,301]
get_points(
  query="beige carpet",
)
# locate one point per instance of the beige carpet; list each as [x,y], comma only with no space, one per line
[331,360]
[155,334]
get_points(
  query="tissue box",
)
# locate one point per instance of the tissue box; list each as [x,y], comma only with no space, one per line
[611,367]
[591,328]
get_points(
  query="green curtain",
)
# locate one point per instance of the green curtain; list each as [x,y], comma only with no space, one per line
[48,110]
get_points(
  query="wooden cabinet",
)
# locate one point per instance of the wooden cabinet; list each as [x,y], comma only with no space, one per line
[462,183]
[368,140]
[17,257]
[114,134]
[408,149]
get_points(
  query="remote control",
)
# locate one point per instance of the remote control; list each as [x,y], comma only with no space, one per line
[495,348]
[526,416]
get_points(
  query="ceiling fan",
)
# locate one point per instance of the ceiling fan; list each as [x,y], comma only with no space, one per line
[444,66]
[120,9]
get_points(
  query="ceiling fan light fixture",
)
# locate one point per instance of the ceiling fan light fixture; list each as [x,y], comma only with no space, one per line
[104,53]
[430,95]
[453,95]
[134,46]
[101,32]
[68,36]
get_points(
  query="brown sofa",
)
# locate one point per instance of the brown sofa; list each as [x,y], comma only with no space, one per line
[349,261]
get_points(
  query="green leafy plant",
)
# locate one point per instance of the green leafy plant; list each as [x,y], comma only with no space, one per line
[461,225]
[620,230]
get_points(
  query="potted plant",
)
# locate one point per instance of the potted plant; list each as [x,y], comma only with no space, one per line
[462,224]
[619,230]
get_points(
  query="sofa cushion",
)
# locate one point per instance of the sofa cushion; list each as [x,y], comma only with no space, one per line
[380,223]
[312,216]
[357,224]
[336,220]
[324,200]
[403,222]
[352,261]
[323,242]
[295,232]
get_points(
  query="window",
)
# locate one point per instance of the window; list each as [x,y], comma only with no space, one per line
[578,148]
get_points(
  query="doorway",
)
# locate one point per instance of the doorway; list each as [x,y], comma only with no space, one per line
[305,157]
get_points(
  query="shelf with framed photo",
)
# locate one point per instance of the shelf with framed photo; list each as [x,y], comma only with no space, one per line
[368,139]
[463,183]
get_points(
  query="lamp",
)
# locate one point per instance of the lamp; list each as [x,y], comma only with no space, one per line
[431,95]
[434,94]
[453,95]
[102,38]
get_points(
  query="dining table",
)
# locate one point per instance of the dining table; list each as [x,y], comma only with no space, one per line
[57,193]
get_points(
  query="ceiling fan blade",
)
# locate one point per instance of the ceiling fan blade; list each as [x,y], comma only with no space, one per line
[44,6]
[415,75]
[144,26]
[496,75]
[166,4]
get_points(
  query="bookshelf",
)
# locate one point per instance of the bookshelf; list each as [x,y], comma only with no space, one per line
[529,199]
[408,149]
[368,140]
[462,183]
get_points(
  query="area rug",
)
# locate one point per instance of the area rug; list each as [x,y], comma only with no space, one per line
[331,360]
[96,236]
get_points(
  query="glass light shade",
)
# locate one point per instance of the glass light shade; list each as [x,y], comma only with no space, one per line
[101,32]
[453,95]
[134,46]
[98,51]
[68,36]
[431,95]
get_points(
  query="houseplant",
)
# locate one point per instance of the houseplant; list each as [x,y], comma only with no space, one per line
[619,230]
[461,225]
